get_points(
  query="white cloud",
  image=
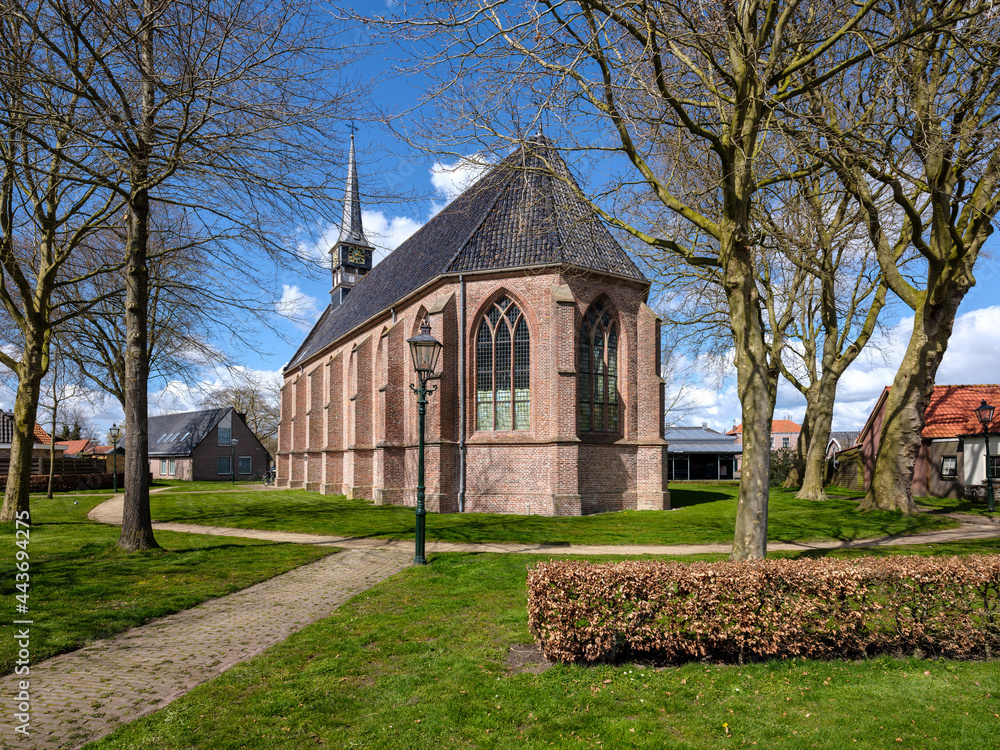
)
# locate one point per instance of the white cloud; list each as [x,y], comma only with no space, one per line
[387,233]
[451,179]
[178,396]
[300,308]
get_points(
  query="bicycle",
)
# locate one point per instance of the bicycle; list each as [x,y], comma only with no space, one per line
[268,477]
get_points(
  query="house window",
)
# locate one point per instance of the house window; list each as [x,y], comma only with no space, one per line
[502,369]
[784,442]
[163,467]
[225,465]
[994,471]
[171,467]
[246,465]
[949,467]
[225,436]
[597,372]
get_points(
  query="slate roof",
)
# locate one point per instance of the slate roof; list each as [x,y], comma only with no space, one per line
[699,440]
[180,434]
[523,212]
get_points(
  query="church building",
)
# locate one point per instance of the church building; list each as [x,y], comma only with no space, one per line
[549,399]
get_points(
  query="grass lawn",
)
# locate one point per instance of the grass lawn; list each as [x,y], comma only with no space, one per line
[179,485]
[424,660]
[702,514]
[83,588]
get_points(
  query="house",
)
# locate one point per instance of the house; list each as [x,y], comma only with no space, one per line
[549,399]
[840,441]
[784,434]
[951,461]
[700,453]
[39,450]
[204,445]
[83,447]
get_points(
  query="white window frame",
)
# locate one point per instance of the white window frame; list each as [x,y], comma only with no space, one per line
[163,467]
[172,467]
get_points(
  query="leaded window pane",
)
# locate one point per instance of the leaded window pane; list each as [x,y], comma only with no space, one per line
[503,366]
[598,409]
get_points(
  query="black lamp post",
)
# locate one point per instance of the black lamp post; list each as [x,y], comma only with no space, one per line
[425,350]
[232,464]
[985,415]
[115,433]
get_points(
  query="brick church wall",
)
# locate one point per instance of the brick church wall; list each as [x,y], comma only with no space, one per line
[351,409]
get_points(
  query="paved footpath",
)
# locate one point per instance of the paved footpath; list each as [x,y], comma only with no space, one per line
[84,695]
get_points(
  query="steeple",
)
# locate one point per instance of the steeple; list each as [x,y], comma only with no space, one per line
[352,253]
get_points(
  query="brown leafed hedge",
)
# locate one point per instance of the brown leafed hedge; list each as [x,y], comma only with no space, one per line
[735,612]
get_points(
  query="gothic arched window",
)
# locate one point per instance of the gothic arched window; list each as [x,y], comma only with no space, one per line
[597,371]
[502,368]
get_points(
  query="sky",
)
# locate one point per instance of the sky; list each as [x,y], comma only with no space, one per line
[424,185]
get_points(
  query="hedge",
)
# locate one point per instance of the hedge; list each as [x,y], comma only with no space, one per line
[735,612]
[69,482]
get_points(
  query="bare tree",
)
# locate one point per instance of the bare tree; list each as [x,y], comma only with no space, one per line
[924,122]
[697,86]
[46,218]
[213,105]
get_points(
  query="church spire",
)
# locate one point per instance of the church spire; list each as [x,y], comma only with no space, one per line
[352,253]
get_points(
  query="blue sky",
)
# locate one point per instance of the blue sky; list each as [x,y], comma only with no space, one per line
[402,188]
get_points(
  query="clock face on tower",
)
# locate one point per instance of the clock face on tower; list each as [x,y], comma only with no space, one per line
[356,255]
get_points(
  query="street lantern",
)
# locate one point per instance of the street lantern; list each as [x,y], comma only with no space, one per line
[232,464]
[985,415]
[115,433]
[425,350]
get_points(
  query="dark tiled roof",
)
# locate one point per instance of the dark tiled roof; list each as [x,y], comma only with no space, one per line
[523,212]
[180,434]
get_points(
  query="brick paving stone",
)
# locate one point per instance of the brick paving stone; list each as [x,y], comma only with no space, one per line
[84,695]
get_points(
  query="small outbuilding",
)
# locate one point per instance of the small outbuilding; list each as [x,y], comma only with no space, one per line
[204,445]
[700,453]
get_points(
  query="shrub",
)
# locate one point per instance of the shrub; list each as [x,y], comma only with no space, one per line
[781,464]
[736,612]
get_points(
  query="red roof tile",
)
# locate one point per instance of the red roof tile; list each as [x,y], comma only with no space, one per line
[950,411]
[41,436]
[778,425]
[73,447]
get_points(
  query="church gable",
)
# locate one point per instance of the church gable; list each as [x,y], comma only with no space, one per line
[523,213]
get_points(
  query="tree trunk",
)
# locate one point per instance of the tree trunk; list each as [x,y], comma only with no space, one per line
[796,475]
[820,418]
[891,487]
[756,383]
[137,527]
[29,387]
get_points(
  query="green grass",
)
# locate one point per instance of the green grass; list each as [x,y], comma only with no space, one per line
[421,661]
[956,505]
[702,514]
[84,588]
[179,485]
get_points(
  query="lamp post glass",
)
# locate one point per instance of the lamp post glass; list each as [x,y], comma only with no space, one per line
[232,461]
[425,350]
[985,415]
[115,434]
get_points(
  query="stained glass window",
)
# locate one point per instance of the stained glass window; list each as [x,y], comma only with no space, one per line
[503,354]
[597,372]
